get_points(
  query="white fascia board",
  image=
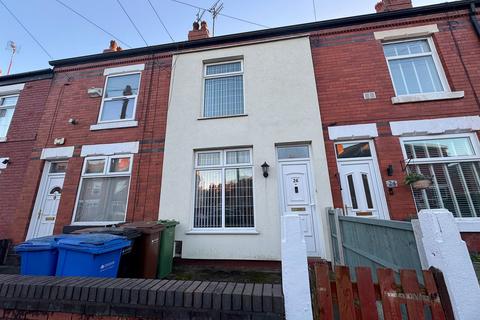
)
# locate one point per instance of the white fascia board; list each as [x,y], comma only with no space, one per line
[435,126]
[405,33]
[124,69]
[356,131]
[110,149]
[11,89]
[57,153]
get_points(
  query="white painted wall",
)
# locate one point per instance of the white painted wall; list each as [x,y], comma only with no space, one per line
[282,106]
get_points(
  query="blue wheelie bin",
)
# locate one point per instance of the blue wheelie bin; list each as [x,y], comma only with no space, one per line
[91,255]
[38,256]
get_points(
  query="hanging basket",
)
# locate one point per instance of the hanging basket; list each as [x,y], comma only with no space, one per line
[422,184]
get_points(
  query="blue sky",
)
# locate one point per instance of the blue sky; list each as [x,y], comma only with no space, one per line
[64,34]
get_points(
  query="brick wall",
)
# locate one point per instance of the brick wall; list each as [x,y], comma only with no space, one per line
[68,98]
[349,61]
[18,147]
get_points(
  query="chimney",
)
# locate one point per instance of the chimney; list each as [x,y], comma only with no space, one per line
[392,5]
[113,47]
[199,31]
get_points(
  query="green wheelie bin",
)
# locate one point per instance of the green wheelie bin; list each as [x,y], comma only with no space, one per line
[165,255]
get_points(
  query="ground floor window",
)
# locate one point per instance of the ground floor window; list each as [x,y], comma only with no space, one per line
[223,189]
[452,162]
[104,189]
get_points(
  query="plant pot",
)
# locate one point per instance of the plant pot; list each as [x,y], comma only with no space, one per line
[422,184]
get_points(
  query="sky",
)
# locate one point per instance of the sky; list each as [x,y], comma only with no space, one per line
[64,34]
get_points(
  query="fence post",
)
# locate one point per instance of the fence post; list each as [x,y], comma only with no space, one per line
[440,246]
[295,277]
[341,256]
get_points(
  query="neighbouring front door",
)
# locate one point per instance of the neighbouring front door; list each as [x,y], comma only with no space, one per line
[360,181]
[296,186]
[48,199]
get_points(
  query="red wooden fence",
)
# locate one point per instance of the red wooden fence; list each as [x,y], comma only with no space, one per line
[337,297]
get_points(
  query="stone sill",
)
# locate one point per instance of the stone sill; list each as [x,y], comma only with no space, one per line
[141,297]
[428,97]
[114,125]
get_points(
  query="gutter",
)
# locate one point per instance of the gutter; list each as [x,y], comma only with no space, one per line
[473,18]
[271,32]
[26,76]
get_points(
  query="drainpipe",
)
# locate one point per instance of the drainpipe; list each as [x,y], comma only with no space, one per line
[473,18]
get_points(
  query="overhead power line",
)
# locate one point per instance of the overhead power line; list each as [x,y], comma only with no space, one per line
[314,10]
[161,21]
[92,23]
[222,14]
[133,23]
[26,30]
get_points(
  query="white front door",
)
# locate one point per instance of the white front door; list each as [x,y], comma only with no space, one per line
[358,191]
[48,199]
[298,198]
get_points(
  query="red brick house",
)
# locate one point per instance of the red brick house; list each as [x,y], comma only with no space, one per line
[22,98]
[400,95]
[397,94]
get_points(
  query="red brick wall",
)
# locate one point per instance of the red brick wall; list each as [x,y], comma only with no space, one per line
[24,315]
[348,62]
[68,98]
[18,147]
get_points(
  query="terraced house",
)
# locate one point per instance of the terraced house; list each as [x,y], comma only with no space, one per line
[226,134]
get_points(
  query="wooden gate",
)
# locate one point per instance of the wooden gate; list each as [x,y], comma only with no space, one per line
[335,296]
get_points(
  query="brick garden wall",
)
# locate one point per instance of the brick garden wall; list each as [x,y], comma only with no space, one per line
[18,147]
[349,61]
[68,98]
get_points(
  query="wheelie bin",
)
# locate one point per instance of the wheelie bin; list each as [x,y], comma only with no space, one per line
[130,255]
[91,255]
[148,247]
[167,241]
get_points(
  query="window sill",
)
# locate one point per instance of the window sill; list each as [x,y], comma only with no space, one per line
[428,97]
[114,125]
[223,117]
[468,224]
[223,231]
[3,139]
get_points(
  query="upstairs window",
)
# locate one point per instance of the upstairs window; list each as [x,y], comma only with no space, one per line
[7,108]
[453,164]
[120,97]
[223,95]
[415,67]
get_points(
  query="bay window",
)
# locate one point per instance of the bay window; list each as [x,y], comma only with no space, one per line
[452,162]
[104,187]
[223,189]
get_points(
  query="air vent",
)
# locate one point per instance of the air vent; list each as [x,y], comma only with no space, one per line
[369,95]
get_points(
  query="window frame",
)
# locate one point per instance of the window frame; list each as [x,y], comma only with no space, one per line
[223,166]
[436,60]
[465,224]
[222,75]
[104,174]
[99,121]
[7,107]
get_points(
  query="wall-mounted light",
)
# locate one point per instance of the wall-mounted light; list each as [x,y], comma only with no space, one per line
[72,121]
[265,167]
[95,92]
[4,162]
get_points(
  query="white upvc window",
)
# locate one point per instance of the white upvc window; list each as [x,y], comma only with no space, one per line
[415,67]
[223,190]
[120,97]
[223,89]
[452,162]
[7,108]
[103,191]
